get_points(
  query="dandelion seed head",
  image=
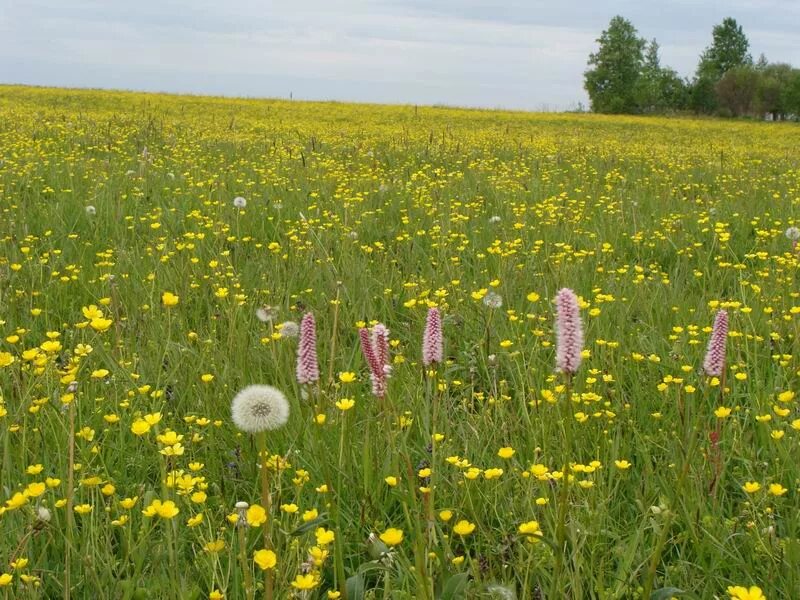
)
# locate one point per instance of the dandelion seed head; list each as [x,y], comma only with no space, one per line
[266,313]
[289,329]
[91,210]
[493,300]
[239,202]
[793,234]
[259,408]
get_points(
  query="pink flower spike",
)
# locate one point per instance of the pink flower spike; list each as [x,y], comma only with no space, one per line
[569,332]
[714,363]
[432,339]
[307,366]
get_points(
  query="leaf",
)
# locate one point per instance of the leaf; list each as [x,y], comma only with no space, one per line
[308,526]
[455,588]
[665,593]
[355,587]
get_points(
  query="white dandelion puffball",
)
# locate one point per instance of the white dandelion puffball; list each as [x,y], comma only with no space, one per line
[91,210]
[259,408]
[493,300]
[289,329]
[239,202]
[793,233]
[494,219]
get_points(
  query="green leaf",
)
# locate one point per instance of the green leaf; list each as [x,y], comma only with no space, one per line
[455,588]
[355,587]
[665,593]
[308,526]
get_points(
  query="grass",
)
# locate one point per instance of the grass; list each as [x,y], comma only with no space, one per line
[363,214]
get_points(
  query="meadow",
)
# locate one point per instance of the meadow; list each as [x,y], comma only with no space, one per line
[157,256]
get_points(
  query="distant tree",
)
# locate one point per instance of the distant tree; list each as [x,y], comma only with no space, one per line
[611,81]
[659,89]
[791,95]
[770,96]
[729,49]
[736,91]
[702,95]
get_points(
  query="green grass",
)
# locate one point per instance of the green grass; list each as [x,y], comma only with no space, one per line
[655,223]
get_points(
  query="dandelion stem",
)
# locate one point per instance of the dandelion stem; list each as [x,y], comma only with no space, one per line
[266,502]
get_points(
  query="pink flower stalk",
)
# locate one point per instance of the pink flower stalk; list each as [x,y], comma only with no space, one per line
[307,366]
[714,362]
[432,339]
[569,332]
[375,348]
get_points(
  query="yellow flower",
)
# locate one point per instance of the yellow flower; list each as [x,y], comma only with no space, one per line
[289,508]
[751,487]
[786,396]
[206,378]
[446,515]
[347,377]
[532,297]
[256,515]
[6,579]
[265,559]
[392,536]
[34,489]
[345,404]
[391,480]
[165,510]
[776,489]
[305,582]
[6,359]
[324,536]
[140,427]
[530,528]
[100,324]
[622,464]
[216,595]
[215,546]
[169,299]
[506,452]
[83,509]
[17,500]
[195,520]
[129,503]
[310,515]
[739,592]
[463,528]
[722,412]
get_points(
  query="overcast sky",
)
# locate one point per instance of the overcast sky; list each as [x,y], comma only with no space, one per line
[526,54]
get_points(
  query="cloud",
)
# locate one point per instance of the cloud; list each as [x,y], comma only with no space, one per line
[516,54]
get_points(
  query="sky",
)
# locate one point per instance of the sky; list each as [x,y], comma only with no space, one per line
[517,54]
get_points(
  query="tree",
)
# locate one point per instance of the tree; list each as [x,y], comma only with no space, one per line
[659,89]
[791,94]
[736,91]
[770,96]
[615,68]
[729,49]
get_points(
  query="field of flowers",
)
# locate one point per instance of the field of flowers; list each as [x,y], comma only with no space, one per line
[423,408]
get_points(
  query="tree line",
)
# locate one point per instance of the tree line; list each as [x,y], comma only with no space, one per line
[625,75]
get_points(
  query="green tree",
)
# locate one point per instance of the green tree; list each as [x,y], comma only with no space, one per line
[614,70]
[770,95]
[736,91]
[791,95]
[729,49]
[659,89]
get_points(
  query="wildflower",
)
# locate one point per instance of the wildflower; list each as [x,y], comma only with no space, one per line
[256,515]
[239,202]
[493,300]
[165,510]
[622,464]
[392,536]
[259,408]
[267,313]
[432,339]
[307,366]
[305,582]
[92,211]
[169,299]
[776,489]
[569,332]
[714,362]
[751,487]
[738,592]
[463,528]
[265,559]
[792,234]
[324,536]
[347,377]
[6,579]
[375,348]
[345,404]
[530,528]
[289,329]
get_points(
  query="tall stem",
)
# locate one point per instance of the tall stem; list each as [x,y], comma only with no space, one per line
[266,502]
[70,499]
[563,502]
